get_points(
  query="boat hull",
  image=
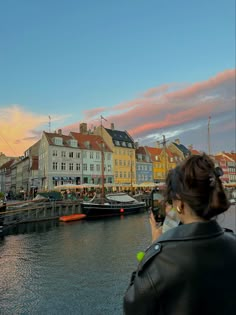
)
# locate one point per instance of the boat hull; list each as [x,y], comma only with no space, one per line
[72,217]
[105,210]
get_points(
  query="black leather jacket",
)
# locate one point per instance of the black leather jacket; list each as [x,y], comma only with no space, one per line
[190,269]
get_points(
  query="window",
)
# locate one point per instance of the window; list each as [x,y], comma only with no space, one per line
[91,167]
[84,154]
[129,145]
[120,174]
[98,168]
[85,167]
[63,154]
[77,167]
[77,155]
[70,166]
[109,156]
[109,168]
[120,162]
[54,166]
[73,143]
[54,153]
[63,166]
[57,141]
[71,154]
[124,162]
[124,174]
[91,154]
[116,174]
[98,155]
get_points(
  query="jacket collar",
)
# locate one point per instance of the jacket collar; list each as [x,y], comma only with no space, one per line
[196,230]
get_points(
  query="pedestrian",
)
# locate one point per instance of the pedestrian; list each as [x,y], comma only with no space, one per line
[190,268]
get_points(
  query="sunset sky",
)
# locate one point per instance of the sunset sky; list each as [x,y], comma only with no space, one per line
[151,67]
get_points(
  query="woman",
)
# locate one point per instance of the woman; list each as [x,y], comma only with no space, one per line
[191,268]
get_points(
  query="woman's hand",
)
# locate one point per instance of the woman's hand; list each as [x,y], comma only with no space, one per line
[156,229]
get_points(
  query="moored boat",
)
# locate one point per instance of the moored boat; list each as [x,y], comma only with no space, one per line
[112,205]
[72,217]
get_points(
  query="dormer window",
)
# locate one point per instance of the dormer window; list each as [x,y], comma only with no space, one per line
[73,143]
[130,145]
[57,141]
[123,144]
[87,144]
[117,142]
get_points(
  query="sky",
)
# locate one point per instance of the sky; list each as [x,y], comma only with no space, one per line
[151,67]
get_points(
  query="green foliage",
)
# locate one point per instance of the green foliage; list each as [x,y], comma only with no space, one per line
[1,195]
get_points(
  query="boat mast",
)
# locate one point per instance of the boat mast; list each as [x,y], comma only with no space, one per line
[102,157]
[165,155]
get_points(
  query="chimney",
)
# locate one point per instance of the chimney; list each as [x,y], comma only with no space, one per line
[83,128]
[59,132]
[158,144]
[112,126]
[177,141]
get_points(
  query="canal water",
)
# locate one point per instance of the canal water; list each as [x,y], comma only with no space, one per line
[81,267]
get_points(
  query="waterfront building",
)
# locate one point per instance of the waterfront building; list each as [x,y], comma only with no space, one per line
[143,166]
[5,176]
[221,161]
[193,151]
[231,163]
[93,146]
[123,148]
[181,151]
[4,158]
[72,159]
[162,160]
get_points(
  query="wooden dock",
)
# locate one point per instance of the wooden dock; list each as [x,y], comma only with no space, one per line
[39,212]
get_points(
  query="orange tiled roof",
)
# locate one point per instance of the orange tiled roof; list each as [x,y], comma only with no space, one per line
[153,152]
[94,141]
[231,156]
[195,152]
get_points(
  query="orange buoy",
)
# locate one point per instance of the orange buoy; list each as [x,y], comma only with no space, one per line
[72,217]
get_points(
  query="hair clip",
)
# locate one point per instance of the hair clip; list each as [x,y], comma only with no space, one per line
[212,180]
[218,171]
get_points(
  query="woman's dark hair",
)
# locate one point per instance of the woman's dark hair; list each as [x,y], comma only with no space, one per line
[197,182]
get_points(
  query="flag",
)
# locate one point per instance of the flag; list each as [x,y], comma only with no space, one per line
[103,118]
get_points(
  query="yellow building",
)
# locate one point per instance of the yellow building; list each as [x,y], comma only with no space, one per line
[163,160]
[123,147]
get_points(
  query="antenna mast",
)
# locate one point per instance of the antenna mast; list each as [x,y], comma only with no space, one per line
[208,135]
[49,123]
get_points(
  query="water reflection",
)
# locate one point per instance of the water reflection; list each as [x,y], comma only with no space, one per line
[77,268]
[33,227]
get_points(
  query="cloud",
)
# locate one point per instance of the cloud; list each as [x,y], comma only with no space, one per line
[19,129]
[174,108]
